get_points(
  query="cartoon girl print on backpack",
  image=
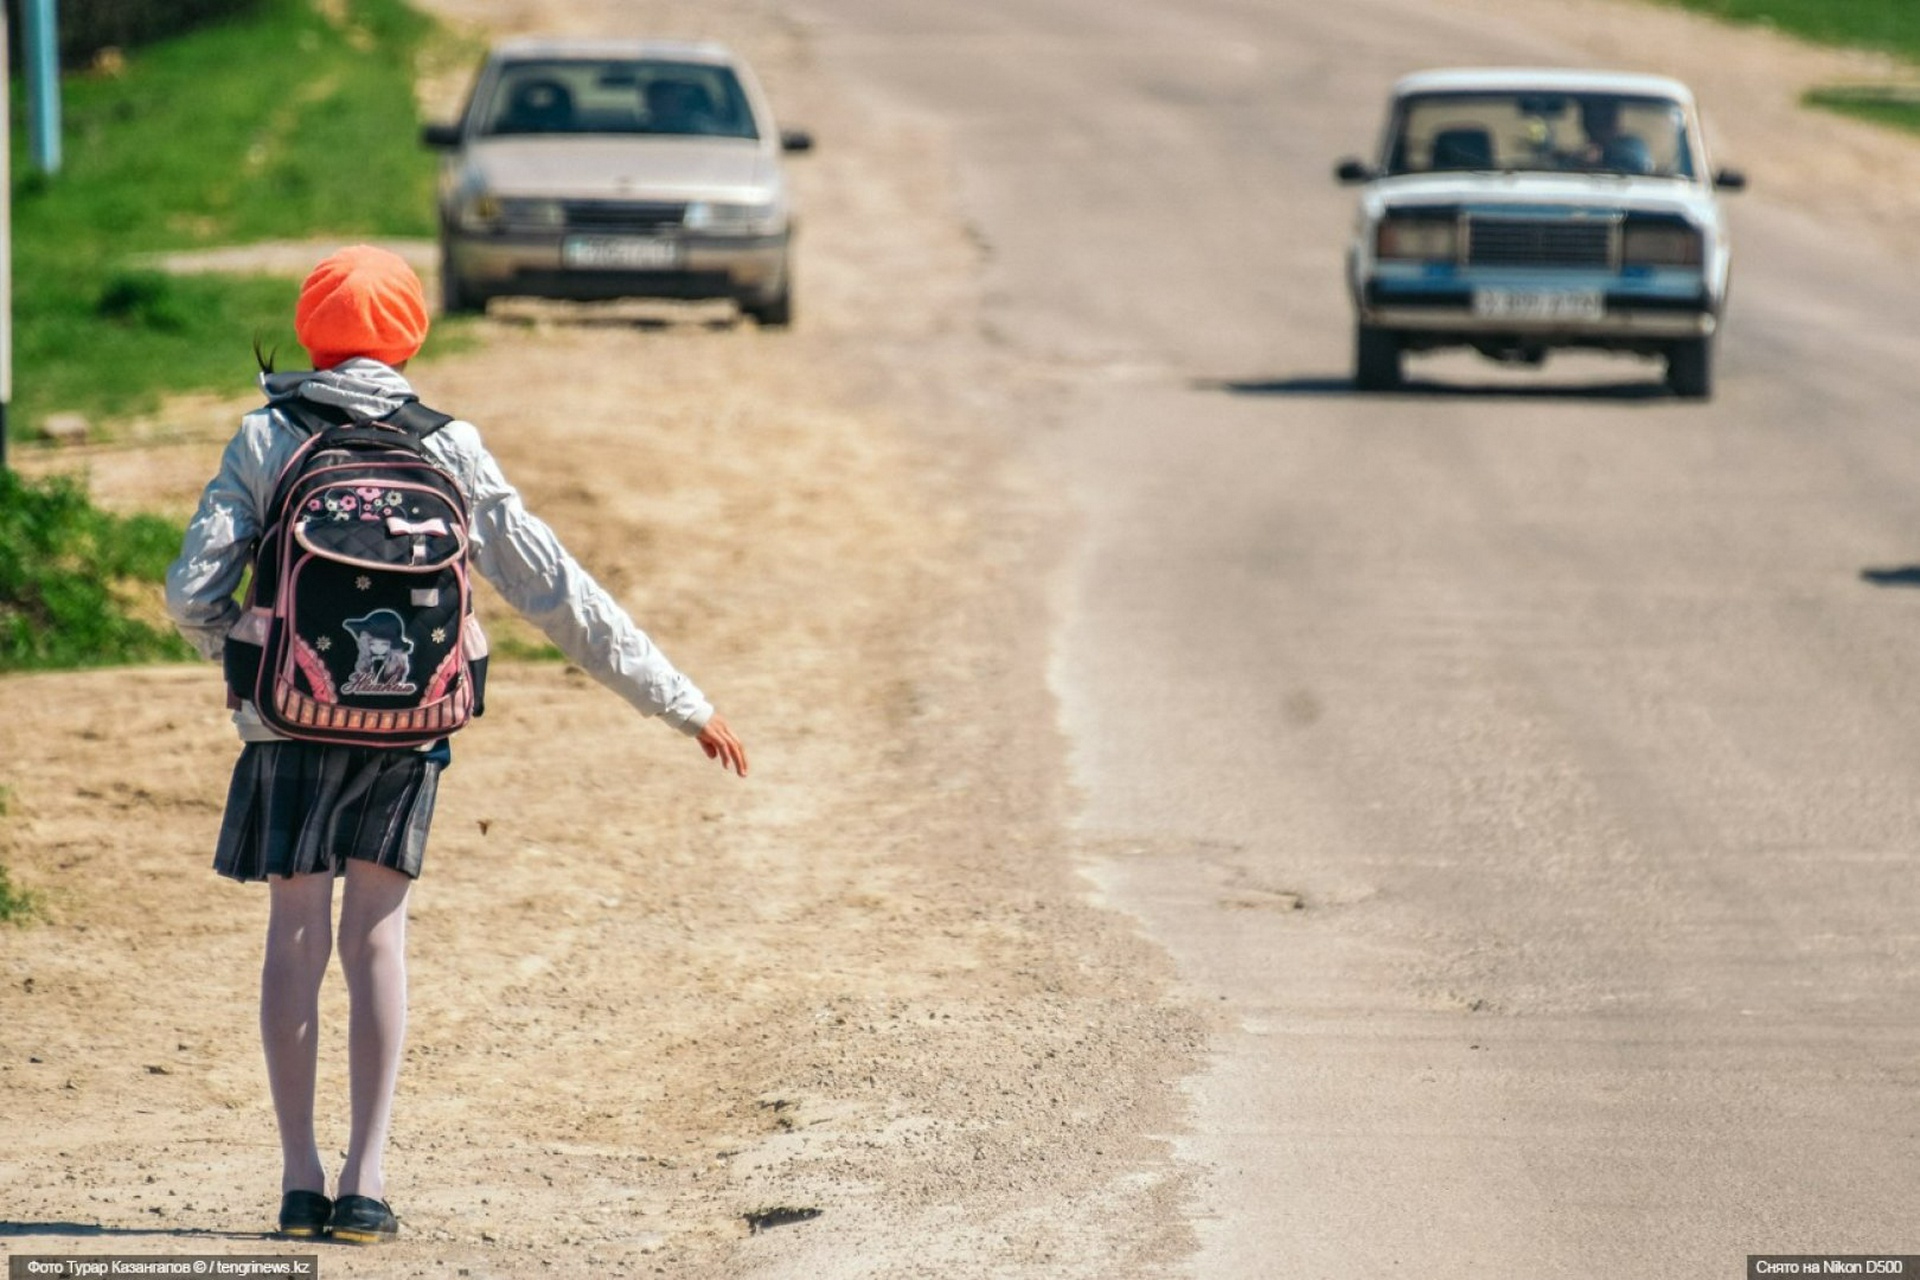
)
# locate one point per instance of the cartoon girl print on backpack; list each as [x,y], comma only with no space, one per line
[385,659]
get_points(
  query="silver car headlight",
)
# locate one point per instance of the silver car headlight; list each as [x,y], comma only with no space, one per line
[725,217]
[487,212]
[479,212]
[533,215]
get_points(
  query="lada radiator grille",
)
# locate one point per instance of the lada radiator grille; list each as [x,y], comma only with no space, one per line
[623,215]
[1540,242]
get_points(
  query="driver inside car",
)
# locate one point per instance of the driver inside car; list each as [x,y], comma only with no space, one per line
[1606,146]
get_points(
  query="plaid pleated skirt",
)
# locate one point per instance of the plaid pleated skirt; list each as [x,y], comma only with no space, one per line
[295,808]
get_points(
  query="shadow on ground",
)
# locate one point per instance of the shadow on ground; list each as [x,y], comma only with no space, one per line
[94,1231]
[1906,575]
[639,316]
[1342,385]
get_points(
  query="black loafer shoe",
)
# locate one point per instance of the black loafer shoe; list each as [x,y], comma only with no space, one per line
[363,1220]
[304,1214]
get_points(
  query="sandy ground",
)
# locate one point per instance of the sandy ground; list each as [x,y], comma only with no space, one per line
[649,1001]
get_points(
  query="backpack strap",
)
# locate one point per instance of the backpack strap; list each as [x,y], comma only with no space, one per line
[412,417]
[314,417]
[417,420]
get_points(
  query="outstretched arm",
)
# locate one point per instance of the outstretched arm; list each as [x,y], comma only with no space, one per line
[519,554]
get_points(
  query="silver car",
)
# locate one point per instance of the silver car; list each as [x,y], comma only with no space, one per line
[597,169]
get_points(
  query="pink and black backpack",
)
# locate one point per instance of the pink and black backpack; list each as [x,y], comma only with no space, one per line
[359,626]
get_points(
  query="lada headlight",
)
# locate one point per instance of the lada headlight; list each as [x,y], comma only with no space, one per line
[1660,244]
[1417,239]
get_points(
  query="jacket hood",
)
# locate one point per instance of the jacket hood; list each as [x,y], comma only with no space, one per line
[365,388]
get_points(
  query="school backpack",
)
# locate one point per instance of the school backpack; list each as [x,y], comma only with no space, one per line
[359,626]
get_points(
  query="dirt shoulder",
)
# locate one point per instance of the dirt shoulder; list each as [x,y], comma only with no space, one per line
[649,1001]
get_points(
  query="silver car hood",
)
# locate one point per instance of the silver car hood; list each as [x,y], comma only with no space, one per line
[623,166]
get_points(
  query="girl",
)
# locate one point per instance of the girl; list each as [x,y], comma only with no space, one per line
[301,814]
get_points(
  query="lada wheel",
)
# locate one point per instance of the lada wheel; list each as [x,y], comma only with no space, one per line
[1376,359]
[1690,368]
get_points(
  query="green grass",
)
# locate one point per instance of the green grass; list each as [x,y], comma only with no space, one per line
[280,124]
[1890,25]
[1878,105]
[514,649]
[77,583]
[16,905]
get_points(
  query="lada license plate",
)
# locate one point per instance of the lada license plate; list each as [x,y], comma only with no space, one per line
[1539,304]
[621,253]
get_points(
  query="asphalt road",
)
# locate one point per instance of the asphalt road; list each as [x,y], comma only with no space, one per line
[1524,765]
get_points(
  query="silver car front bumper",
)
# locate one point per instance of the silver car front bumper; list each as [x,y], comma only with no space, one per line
[700,266]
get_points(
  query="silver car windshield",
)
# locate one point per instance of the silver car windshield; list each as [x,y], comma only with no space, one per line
[1540,132]
[580,96]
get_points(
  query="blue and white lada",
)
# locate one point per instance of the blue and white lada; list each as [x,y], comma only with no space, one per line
[1515,211]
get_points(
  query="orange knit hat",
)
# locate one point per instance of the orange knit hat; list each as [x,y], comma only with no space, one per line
[361,301]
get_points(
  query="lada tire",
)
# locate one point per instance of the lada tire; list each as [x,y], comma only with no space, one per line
[1690,368]
[1376,359]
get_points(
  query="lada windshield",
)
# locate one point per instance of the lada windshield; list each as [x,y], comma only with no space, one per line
[1540,133]
[583,96]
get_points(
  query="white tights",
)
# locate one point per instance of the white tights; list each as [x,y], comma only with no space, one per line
[373,953]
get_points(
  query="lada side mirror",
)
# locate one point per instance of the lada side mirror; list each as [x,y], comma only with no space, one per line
[1351,171]
[441,137]
[1730,180]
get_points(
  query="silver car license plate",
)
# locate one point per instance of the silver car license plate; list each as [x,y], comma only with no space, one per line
[620,253]
[1539,304]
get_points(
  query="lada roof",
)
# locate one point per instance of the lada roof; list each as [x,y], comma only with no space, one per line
[527,48]
[1544,79]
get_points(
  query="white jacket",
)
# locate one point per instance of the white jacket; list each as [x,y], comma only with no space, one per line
[511,547]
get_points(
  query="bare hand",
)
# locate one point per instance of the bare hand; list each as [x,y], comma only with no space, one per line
[718,741]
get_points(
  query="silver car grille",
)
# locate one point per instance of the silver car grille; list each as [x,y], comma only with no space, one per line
[1542,242]
[623,215]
